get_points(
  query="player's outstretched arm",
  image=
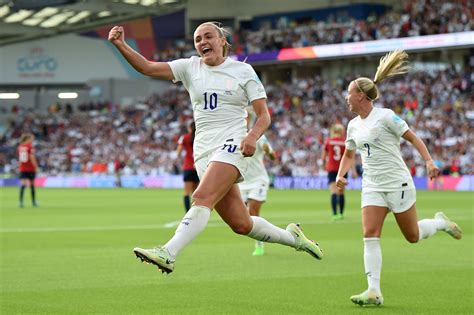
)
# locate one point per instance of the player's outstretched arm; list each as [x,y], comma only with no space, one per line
[160,70]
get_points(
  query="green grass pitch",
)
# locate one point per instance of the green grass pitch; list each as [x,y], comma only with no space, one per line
[73,255]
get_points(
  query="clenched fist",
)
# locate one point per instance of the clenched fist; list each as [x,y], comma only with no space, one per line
[116,35]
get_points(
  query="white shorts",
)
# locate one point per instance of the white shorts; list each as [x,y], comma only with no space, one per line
[256,191]
[395,201]
[222,154]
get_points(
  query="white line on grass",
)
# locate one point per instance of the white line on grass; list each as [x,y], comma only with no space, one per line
[168,225]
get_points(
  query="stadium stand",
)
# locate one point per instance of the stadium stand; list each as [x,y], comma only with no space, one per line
[91,137]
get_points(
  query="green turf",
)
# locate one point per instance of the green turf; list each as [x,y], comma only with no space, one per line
[73,256]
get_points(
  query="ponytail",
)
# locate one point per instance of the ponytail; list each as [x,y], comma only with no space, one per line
[393,63]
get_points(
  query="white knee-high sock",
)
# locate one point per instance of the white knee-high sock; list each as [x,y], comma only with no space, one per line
[428,227]
[190,227]
[264,231]
[373,262]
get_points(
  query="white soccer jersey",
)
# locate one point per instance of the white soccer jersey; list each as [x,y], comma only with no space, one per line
[219,96]
[256,171]
[377,138]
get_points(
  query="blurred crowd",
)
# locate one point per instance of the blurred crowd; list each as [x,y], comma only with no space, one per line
[141,138]
[414,18]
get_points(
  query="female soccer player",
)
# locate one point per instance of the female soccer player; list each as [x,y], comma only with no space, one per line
[255,186]
[333,150]
[28,166]
[220,89]
[190,176]
[386,184]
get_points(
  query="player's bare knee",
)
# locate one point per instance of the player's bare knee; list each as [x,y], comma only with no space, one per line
[412,238]
[242,228]
[203,198]
[372,232]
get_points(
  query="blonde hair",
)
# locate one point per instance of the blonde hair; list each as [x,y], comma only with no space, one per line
[337,130]
[393,63]
[223,33]
[25,137]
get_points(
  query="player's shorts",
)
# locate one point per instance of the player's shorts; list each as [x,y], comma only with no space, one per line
[395,201]
[332,177]
[27,175]
[221,154]
[255,191]
[190,176]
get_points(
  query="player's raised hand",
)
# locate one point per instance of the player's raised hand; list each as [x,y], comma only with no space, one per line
[432,170]
[116,35]
[341,182]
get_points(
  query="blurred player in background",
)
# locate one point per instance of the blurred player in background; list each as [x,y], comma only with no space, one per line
[190,176]
[387,184]
[28,166]
[220,89]
[119,165]
[255,186]
[333,150]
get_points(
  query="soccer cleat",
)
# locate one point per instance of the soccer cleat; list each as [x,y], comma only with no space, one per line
[367,298]
[259,250]
[35,204]
[158,256]
[340,216]
[303,243]
[451,227]
[335,217]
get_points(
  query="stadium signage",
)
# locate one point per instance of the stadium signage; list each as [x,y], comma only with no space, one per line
[428,42]
[37,64]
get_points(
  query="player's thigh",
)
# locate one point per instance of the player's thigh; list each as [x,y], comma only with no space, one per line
[216,181]
[404,209]
[231,208]
[374,210]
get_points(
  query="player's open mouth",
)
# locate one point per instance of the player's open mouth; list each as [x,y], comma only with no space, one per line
[206,51]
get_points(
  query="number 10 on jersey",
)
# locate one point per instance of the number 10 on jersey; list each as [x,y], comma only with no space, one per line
[210,102]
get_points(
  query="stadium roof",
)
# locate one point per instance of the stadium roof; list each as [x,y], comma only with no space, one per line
[25,20]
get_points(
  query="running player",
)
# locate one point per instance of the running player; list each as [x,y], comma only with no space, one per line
[220,89]
[255,186]
[387,184]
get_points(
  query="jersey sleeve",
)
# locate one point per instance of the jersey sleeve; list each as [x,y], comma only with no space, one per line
[181,140]
[350,141]
[395,124]
[180,67]
[252,85]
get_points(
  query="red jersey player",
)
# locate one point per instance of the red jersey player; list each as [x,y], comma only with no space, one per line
[28,166]
[334,148]
[190,176]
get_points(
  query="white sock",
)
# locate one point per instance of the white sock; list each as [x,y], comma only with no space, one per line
[373,262]
[264,231]
[428,227]
[190,227]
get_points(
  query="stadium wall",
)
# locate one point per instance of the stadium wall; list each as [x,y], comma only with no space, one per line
[461,183]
